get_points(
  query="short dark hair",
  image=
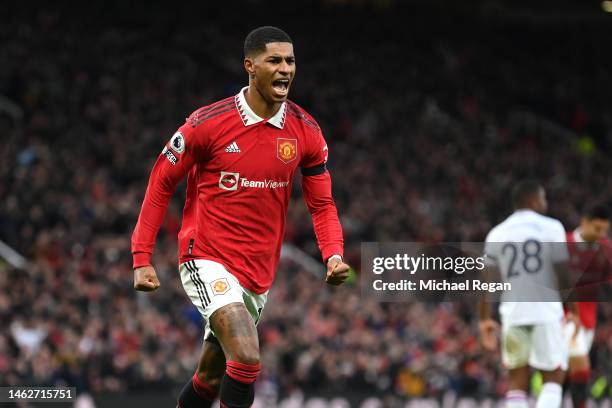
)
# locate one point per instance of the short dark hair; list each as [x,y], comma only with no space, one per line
[597,212]
[523,191]
[257,39]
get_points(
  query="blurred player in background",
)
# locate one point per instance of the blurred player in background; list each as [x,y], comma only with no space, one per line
[239,156]
[589,249]
[522,250]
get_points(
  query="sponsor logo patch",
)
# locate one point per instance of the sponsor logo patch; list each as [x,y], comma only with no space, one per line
[229,181]
[177,143]
[220,286]
[232,148]
[170,156]
[286,149]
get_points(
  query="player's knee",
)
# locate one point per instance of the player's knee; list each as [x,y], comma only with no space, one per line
[247,355]
[557,376]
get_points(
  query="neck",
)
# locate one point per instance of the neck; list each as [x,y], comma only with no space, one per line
[258,104]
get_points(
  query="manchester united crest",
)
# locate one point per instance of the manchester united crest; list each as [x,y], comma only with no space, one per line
[220,286]
[286,149]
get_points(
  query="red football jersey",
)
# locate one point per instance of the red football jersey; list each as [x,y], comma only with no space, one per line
[591,262]
[240,171]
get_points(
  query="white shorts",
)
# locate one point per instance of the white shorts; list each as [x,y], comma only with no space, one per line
[210,287]
[581,344]
[541,346]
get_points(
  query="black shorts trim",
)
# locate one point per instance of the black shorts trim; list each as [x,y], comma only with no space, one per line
[200,287]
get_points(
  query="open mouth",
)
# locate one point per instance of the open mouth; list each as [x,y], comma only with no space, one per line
[281,86]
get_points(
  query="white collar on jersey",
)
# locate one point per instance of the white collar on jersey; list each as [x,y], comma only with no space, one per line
[524,211]
[250,118]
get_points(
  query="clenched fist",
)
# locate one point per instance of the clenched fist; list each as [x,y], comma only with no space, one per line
[145,279]
[337,271]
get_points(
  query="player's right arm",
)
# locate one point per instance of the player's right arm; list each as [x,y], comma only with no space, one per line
[176,159]
[487,326]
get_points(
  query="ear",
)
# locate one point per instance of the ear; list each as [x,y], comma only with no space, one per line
[249,66]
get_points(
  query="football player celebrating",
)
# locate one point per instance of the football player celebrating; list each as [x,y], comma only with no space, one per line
[239,155]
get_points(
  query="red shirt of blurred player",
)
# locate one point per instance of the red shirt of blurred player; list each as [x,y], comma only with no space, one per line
[591,259]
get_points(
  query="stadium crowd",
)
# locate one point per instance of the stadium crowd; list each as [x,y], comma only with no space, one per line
[427,129]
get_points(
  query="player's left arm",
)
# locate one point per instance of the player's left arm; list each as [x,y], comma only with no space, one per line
[317,191]
[566,281]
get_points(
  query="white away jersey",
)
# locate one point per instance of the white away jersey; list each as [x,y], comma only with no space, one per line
[523,247]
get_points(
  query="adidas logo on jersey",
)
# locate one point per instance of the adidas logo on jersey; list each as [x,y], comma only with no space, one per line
[233,148]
